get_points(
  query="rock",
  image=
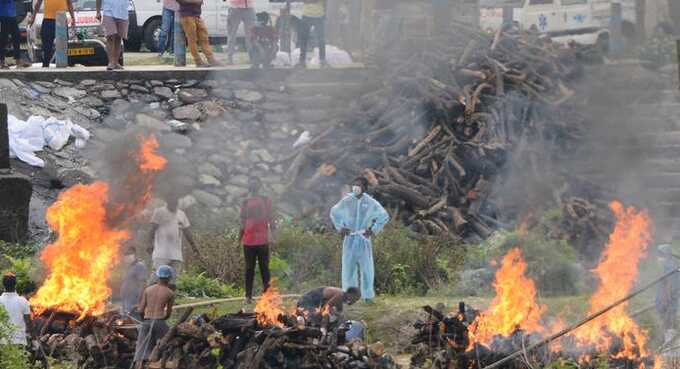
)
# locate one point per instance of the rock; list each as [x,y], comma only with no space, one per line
[219,159]
[243,85]
[189,83]
[239,180]
[70,177]
[192,95]
[209,180]
[279,118]
[174,103]
[102,87]
[176,141]
[206,198]
[38,88]
[178,127]
[111,94]
[188,112]
[223,93]
[91,101]
[140,89]
[262,166]
[69,93]
[63,83]
[156,83]
[186,202]
[275,106]
[89,113]
[210,169]
[278,169]
[209,83]
[53,102]
[263,155]
[313,116]
[88,82]
[151,123]
[163,92]
[248,96]
[6,83]
[235,191]
[120,106]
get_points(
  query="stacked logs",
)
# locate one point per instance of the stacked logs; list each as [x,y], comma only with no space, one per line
[233,341]
[443,127]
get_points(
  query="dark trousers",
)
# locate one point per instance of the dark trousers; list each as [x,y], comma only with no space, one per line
[319,25]
[9,27]
[48,32]
[259,254]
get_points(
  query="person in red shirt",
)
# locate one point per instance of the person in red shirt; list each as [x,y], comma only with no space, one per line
[256,223]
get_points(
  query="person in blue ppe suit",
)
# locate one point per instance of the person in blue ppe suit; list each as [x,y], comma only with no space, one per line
[358,217]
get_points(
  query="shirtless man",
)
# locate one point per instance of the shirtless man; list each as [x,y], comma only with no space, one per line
[155,308]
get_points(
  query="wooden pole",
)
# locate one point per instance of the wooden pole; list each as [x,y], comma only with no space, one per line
[581,323]
[61,50]
[180,44]
[221,301]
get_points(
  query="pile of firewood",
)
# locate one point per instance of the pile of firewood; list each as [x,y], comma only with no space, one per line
[450,121]
[234,341]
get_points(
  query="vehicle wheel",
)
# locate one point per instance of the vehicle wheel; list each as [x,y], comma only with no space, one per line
[152,32]
[133,44]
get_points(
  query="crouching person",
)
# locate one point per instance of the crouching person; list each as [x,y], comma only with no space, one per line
[155,308]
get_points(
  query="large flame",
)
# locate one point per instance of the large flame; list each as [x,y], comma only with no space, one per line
[80,262]
[514,306]
[617,273]
[269,308]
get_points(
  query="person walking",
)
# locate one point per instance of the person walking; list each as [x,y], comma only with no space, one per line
[196,32]
[155,308]
[169,224]
[313,16]
[10,28]
[18,311]
[48,29]
[240,11]
[115,23]
[358,217]
[256,223]
[134,281]
[166,40]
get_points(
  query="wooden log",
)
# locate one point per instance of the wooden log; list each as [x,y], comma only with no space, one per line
[161,345]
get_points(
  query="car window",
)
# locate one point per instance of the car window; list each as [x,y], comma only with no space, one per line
[540,2]
[574,2]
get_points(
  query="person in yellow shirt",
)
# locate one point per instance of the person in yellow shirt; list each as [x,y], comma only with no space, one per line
[48,29]
[313,16]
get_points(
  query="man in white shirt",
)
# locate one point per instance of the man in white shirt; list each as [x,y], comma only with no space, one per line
[18,310]
[169,224]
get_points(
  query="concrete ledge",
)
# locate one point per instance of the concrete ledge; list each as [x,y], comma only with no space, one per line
[352,73]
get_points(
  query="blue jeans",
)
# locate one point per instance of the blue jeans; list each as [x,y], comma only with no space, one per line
[166,41]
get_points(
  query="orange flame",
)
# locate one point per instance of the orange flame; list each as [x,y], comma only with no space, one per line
[80,262]
[617,273]
[510,310]
[269,308]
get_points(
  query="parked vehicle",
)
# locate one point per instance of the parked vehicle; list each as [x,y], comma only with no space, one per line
[214,14]
[86,43]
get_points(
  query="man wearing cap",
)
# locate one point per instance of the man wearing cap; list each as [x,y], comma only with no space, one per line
[358,217]
[155,307]
[18,310]
[669,291]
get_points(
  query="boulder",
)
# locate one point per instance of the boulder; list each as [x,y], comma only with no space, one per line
[139,88]
[239,180]
[209,180]
[206,198]
[163,92]
[192,95]
[69,93]
[176,141]
[187,112]
[151,123]
[223,93]
[92,101]
[248,96]
[209,169]
[111,94]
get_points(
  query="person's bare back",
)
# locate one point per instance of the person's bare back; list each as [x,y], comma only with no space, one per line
[157,301]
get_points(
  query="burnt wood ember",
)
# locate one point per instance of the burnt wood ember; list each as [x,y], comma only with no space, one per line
[233,341]
[438,134]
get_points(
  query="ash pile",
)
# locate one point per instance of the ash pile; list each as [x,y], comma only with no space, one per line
[234,341]
[453,124]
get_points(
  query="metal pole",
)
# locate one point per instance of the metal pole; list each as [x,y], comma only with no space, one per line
[180,42]
[582,322]
[61,50]
[4,138]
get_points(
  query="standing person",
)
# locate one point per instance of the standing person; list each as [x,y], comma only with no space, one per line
[155,308]
[115,24]
[313,16]
[256,223]
[358,217]
[18,310]
[134,282]
[169,224]
[166,40]
[669,292]
[196,32]
[10,27]
[48,29]
[240,11]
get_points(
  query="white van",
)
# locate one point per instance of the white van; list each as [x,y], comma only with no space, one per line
[214,14]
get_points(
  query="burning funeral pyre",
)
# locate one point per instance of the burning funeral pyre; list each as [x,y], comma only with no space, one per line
[270,337]
[515,322]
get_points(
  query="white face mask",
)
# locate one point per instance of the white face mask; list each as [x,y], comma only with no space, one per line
[357,190]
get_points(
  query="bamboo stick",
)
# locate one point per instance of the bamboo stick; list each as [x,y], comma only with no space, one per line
[221,301]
